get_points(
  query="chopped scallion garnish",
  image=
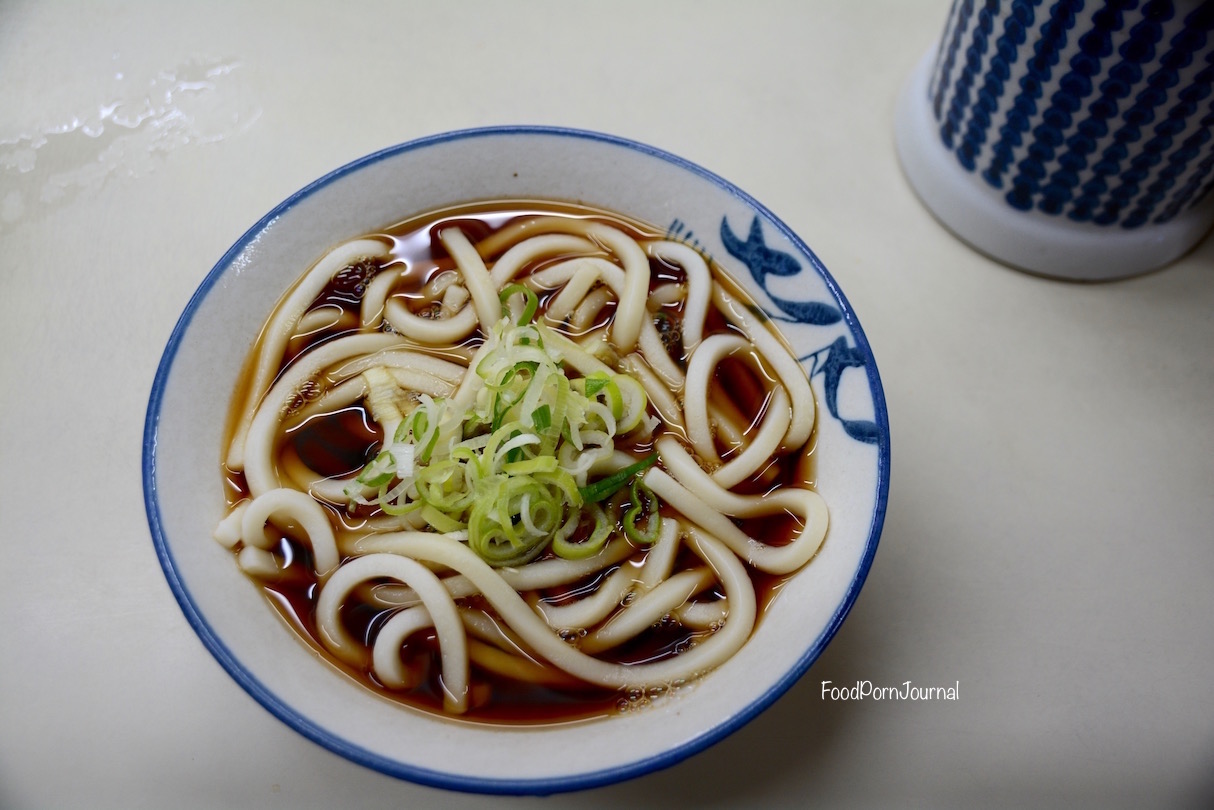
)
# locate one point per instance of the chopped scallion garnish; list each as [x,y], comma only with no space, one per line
[512,470]
[609,485]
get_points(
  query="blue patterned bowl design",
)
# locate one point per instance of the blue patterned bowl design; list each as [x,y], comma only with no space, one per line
[1100,113]
[189,405]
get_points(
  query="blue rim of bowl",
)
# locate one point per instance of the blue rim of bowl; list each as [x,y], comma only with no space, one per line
[426,776]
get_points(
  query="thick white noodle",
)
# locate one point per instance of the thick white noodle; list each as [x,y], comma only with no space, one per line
[694,490]
[505,654]
[483,626]
[631,312]
[704,361]
[441,283]
[652,347]
[517,667]
[371,310]
[725,425]
[614,590]
[378,524]
[291,506]
[761,448]
[547,573]
[453,330]
[259,563]
[786,367]
[587,311]
[385,655]
[576,357]
[699,287]
[421,382]
[659,560]
[281,326]
[575,289]
[452,640]
[669,293]
[765,441]
[476,277]
[228,530]
[537,247]
[536,633]
[701,615]
[647,609]
[431,331]
[332,399]
[404,359]
[329,490]
[454,298]
[590,610]
[260,472]
[321,318]
[660,397]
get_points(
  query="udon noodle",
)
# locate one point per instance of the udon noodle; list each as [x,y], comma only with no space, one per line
[519,447]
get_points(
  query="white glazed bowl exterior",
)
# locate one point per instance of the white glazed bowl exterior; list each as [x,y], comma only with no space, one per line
[190,399]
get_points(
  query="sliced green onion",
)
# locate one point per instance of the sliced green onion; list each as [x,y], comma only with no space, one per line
[378,472]
[634,401]
[541,418]
[541,464]
[393,507]
[506,469]
[530,301]
[609,485]
[595,383]
[592,544]
[439,520]
[643,500]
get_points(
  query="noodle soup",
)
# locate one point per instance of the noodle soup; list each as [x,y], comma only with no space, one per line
[521,462]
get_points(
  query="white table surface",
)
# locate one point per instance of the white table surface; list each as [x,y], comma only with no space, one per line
[1050,536]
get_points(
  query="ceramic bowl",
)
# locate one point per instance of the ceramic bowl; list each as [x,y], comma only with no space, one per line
[194,384]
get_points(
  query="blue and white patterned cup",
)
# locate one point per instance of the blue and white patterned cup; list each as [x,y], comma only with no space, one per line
[1067,138]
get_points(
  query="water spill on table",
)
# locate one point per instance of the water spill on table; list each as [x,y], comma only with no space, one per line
[126,132]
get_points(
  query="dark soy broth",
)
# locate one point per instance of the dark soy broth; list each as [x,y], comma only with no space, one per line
[341,442]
